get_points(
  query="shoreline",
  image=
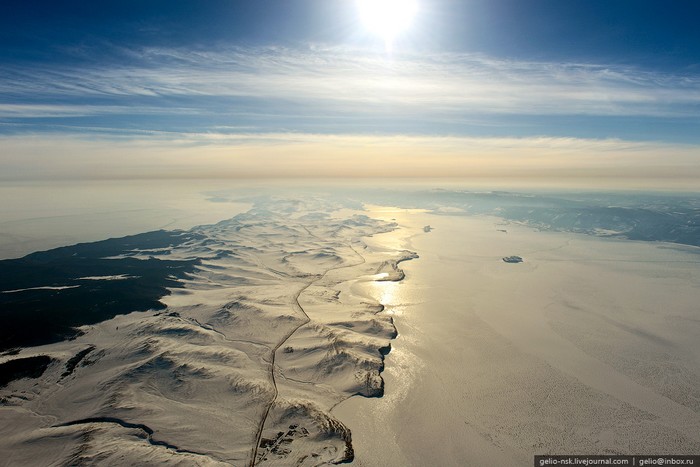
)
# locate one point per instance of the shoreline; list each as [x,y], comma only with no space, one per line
[524,360]
[576,350]
[252,347]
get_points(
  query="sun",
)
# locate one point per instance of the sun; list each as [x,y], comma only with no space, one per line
[387,18]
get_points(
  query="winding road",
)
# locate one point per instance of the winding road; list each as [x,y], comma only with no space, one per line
[297,306]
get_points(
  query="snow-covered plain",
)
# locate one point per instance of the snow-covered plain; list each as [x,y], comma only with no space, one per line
[277,323]
[241,368]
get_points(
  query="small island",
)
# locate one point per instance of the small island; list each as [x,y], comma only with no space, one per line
[513,259]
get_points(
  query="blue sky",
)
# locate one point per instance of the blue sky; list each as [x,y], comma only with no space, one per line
[509,81]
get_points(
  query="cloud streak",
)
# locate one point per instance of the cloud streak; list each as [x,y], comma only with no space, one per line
[336,111]
[339,79]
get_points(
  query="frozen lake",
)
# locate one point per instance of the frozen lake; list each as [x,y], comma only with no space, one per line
[588,346]
[42,215]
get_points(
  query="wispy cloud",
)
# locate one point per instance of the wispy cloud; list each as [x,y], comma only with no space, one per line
[332,111]
[84,110]
[338,79]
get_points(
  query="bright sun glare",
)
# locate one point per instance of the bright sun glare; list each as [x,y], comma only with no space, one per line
[387,18]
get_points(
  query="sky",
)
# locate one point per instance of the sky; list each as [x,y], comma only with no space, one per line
[468,88]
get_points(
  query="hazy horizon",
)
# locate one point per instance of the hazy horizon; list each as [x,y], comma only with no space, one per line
[377,232]
[532,90]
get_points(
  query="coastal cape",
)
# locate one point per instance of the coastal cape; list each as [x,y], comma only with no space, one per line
[227,344]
